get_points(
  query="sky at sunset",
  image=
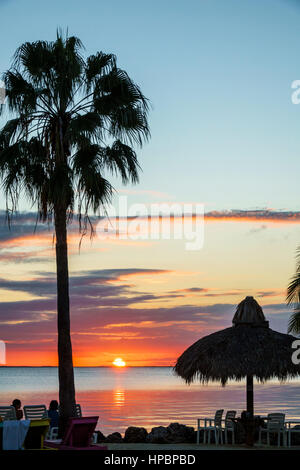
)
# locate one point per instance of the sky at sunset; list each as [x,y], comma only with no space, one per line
[225,134]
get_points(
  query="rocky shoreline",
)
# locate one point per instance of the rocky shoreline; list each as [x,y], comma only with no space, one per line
[175,433]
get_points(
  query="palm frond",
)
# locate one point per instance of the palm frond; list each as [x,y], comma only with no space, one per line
[35,59]
[293,290]
[20,94]
[121,159]
[294,321]
[9,131]
[130,125]
[89,124]
[68,66]
[94,190]
[96,66]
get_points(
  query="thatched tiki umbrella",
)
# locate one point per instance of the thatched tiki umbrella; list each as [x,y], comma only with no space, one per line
[248,349]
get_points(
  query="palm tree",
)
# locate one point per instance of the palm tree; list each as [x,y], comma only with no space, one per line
[293,297]
[73,119]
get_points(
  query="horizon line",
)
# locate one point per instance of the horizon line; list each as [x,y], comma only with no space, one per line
[81,367]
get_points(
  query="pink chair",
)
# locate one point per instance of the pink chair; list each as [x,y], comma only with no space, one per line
[78,435]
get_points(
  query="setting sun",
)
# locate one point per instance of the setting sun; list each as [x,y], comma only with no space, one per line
[119,362]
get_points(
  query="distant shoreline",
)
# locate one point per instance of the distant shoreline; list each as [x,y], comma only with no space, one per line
[84,367]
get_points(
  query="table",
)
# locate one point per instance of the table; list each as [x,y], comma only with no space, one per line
[35,436]
[250,426]
[13,434]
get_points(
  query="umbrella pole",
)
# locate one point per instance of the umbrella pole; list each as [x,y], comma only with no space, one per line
[250,411]
[250,400]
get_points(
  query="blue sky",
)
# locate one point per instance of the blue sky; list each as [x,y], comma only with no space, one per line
[218,74]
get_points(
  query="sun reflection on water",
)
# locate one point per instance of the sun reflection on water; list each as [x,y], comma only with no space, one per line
[119,397]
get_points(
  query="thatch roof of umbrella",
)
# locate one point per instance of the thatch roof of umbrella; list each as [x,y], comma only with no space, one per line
[248,348]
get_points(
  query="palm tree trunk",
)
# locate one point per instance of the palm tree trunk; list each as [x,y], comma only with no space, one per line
[65,361]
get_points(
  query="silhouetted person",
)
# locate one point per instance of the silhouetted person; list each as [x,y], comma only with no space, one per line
[53,413]
[17,405]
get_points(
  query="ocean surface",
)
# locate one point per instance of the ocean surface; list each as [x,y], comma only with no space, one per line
[144,396]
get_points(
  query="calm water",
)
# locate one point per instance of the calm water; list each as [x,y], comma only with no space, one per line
[144,396]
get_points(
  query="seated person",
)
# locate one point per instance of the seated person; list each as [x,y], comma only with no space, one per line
[53,414]
[17,405]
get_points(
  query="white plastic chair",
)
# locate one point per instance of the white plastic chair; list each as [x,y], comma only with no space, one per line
[291,430]
[78,411]
[34,412]
[211,425]
[52,433]
[275,425]
[8,412]
[229,425]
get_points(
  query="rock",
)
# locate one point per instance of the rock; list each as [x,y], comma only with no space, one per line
[100,436]
[174,433]
[135,434]
[158,435]
[179,433]
[115,437]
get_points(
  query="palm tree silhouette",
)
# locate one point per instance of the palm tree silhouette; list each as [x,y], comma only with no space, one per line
[293,298]
[73,119]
